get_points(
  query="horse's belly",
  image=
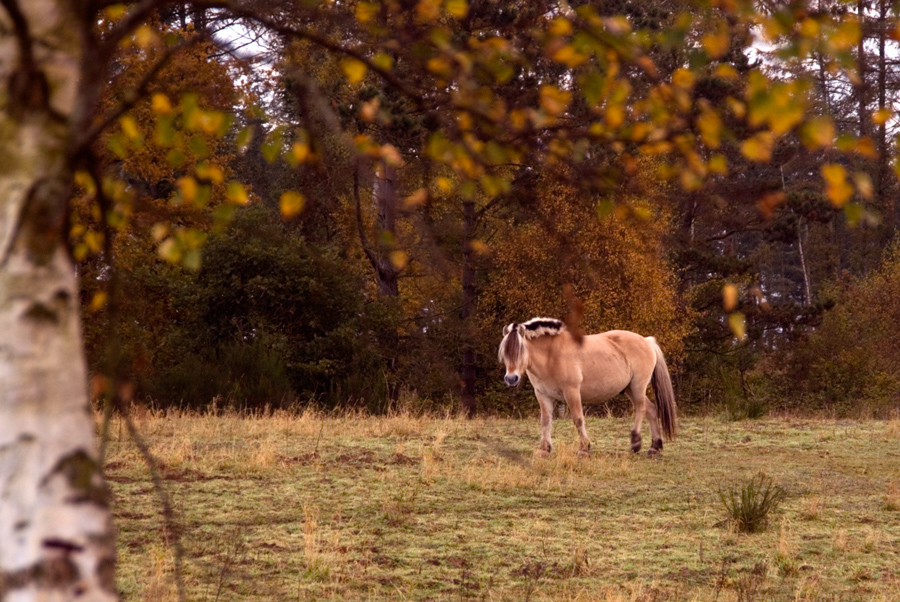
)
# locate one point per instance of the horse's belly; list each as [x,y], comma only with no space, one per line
[600,392]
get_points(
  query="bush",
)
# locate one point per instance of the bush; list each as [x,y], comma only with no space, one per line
[748,506]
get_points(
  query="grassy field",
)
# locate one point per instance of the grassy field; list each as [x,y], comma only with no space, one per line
[315,507]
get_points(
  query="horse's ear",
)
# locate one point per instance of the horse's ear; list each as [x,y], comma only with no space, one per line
[521,329]
[506,329]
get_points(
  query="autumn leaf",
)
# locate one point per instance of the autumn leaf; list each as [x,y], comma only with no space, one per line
[98,301]
[759,147]
[188,189]
[729,297]
[160,104]
[291,203]
[399,259]
[837,188]
[366,11]
[416,199]
[554,100]
[716,44]
[738,325]
[817,133]
[236,193]
[457,8]
[354,70]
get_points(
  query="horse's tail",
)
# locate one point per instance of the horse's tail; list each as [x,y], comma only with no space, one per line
[665,395]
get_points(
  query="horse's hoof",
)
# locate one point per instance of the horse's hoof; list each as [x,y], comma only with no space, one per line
[635,442]
[653,453]
[584,453]
[541,453]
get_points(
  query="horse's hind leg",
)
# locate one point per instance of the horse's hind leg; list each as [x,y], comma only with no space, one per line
[657,444]
[639,401]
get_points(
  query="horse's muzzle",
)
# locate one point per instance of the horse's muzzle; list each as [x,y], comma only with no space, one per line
[511,379]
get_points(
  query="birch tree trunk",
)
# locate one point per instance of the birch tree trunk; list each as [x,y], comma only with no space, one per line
[56,538]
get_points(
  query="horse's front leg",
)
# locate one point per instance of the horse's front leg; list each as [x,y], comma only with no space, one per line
[573,400]
[547,407]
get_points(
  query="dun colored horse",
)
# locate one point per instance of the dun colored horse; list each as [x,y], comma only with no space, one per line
[591,371]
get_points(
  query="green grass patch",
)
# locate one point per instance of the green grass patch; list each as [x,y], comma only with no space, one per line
[316,507]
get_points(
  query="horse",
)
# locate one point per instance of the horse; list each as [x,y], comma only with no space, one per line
[591,370]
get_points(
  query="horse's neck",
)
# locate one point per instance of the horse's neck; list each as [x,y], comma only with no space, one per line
[539,352]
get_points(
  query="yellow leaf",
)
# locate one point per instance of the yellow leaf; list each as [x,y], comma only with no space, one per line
[457,8]
[817,133]
[615,115]
[369,110]
[210,172]
[440,66]
[759,147]
[160,104]
[718,164]
[479,247]
[443,184]
[391,155]
[560,26]
[809,28]
[866,148]
[98,301]
[864,185]
[170,250]
[684,78]
[85,181]
[882,115]
[726,71]
[145,37]
[188,188]
[115,11]
[383,61]
[94,240]
[716,44]
[354,69]
[553,100]
[738,325]
[291,203]
[567,55]
[300,151]
[738,108]
[618,24]
[211,122]
[236,193]
[366,11]
[399,259]
[130,127]
[159,231]
[729,297]
[416,199]
[428,10]
[837,188]
[710,125]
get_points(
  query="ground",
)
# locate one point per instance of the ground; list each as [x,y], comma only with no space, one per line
[317,507]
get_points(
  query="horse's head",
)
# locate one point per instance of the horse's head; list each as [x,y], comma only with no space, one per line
[513,353]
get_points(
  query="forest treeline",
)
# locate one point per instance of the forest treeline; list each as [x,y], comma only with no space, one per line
[291,226]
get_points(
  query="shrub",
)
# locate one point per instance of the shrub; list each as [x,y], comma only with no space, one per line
[748,506]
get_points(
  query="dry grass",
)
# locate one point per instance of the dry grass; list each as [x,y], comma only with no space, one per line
[421,507]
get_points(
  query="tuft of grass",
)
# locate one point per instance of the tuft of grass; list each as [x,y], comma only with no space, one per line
[749,506]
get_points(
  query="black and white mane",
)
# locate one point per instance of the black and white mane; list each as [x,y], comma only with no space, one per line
[538,327]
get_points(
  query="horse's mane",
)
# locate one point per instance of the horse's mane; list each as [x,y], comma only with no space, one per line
[538,327]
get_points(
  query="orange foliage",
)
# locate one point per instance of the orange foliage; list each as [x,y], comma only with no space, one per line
[616,265]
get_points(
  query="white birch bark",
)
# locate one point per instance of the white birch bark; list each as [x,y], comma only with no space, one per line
[56,538]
